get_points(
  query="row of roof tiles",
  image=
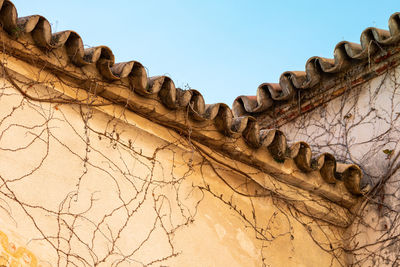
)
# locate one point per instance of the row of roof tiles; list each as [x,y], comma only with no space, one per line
[228,122]
[346,54]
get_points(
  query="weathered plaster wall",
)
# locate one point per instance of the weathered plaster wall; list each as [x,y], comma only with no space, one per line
[363,127]
[92,185]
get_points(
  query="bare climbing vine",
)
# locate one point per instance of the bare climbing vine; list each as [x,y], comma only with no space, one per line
[92,190]
[82,188]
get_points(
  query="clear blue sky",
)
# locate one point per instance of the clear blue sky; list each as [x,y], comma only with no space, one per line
[222,48]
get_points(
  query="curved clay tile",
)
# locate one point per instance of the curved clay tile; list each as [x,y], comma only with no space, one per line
[230,123]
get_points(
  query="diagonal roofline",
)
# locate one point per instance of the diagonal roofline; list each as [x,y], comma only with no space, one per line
[157,99]
[301,91]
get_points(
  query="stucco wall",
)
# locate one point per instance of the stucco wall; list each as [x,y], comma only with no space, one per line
[92,185]
[363,127]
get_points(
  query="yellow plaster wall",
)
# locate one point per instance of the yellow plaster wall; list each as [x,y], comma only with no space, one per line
[82,188]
